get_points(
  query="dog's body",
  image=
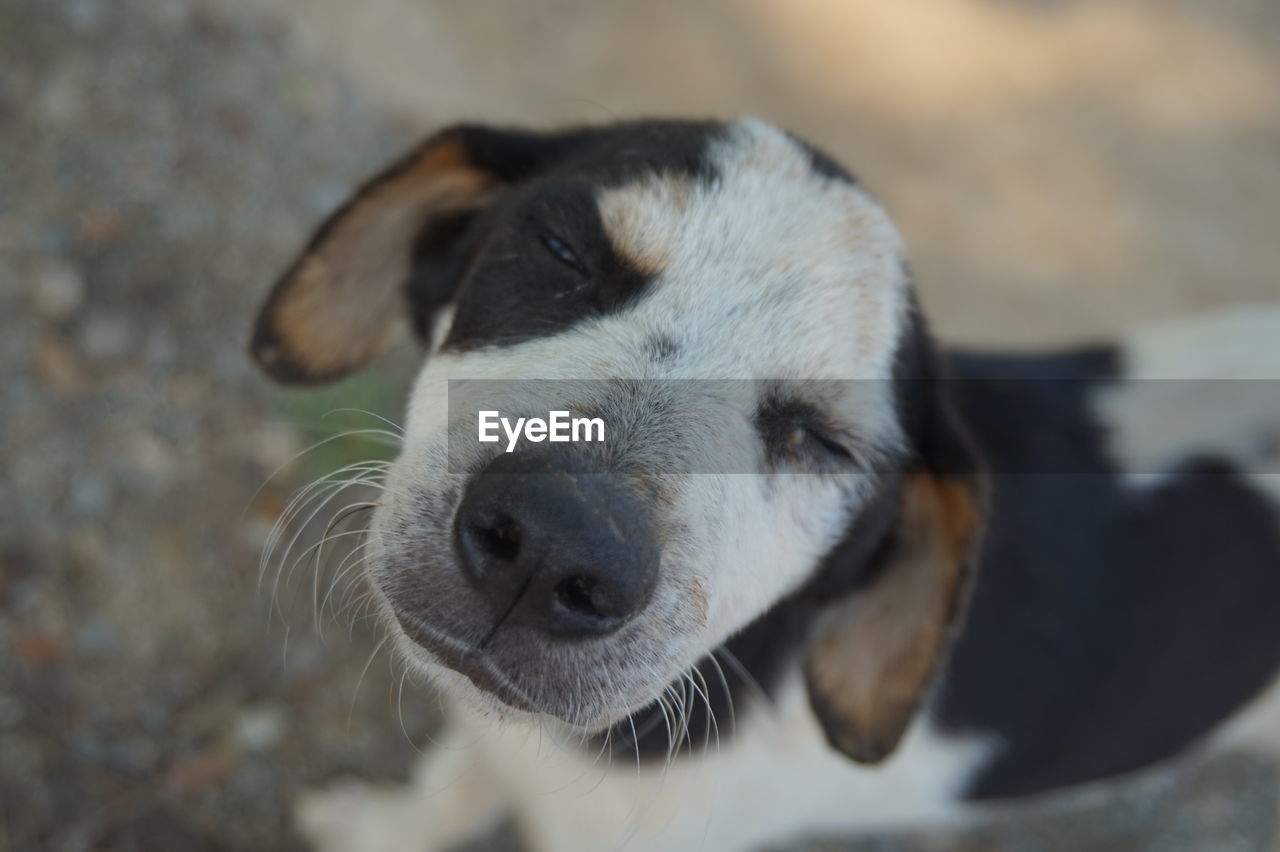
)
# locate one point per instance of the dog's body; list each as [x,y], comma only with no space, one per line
[1117,552]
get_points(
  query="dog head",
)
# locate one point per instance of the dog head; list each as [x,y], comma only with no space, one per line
[736,311]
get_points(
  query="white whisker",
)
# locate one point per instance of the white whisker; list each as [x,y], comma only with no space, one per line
[399,430]
[356,692]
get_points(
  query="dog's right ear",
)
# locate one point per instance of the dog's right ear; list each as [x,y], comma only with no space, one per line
[336,306]
[878,649]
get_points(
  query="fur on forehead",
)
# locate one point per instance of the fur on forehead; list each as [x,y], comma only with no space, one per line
[774,252]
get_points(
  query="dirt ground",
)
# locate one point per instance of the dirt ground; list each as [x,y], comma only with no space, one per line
[1060,170]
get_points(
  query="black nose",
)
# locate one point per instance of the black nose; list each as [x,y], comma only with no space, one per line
[570,554]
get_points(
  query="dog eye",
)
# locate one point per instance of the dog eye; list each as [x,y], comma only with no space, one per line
[803,438]
[794,432]
[560,250]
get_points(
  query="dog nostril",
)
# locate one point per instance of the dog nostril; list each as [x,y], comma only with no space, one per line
[565,555]
[500,539]
[574,594]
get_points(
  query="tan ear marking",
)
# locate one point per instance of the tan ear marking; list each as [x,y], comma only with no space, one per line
[877,650]
[338,304]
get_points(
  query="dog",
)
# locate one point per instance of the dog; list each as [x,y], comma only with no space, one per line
[821,576]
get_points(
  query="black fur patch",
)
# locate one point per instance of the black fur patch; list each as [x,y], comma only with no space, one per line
[494,262]
[517,289]
[1109,629]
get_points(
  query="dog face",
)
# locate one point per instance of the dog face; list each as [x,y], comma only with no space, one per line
[736,312]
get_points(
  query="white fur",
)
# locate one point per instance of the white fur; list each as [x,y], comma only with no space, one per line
[1204,386]
[777,781]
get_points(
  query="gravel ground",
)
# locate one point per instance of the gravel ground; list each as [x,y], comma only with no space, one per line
[158,164]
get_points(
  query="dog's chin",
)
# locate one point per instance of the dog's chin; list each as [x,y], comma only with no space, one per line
[484,690]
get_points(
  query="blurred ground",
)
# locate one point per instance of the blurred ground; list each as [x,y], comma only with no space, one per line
[1060,170]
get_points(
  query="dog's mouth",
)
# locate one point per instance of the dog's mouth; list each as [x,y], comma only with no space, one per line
[521,675]
[473,663]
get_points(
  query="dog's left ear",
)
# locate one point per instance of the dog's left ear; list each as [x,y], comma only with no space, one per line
[878,647]
[335,308]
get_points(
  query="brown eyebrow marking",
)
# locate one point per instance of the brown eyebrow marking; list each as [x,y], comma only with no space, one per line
[642,218]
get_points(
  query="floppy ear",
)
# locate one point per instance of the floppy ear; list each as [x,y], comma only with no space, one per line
[336,306]
[877,648]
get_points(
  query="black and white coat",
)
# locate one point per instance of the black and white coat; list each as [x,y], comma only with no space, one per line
[947,579]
